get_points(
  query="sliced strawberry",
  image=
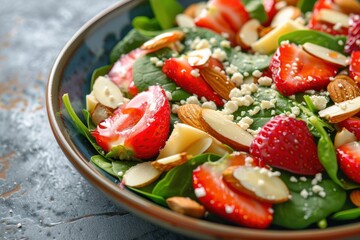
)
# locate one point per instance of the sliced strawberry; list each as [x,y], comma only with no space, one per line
[270,9]
[354,67]
[316,24]
[348,156]
[179,71]
[294,70]
[287,143]
[141,126]
[220,199]
[352,124]
[353,38]
[223,16]
[121,72]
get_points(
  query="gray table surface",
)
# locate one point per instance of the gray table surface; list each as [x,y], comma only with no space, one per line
[42,196]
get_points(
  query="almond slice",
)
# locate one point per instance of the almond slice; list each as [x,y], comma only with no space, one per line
[226,131]
[343,137]
[333,17]
[195,9]
[348,6]
[199,57]
[325,54]
[186,206]
[355,197]
[163,40]
[91,102]
[343,88]
[217,81]
[286,13]
[200,146]
[107,93]
[167,163]
[141,175]
[191,115]
[341,111]
[100,113]
[248,33]
[183,20]
[259,183]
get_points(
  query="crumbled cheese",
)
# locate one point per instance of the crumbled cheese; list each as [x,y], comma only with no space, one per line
[319,102]
[219,54]
[249,161]
[209,105]
[195,72]
[213,41]
[237,78]
[295,110]
[248,89]
[266,104]
[229,209]
[304,193]
[253,132]
[254,111]
[193,100]
[232,69]
[303,179]
[317,188]
[244,101]
[225,44]
[265,81]
[175,108]
[257,73]
[293,179]
[159,63]
[200,192]
[230,107]
[199,43]
[168,95]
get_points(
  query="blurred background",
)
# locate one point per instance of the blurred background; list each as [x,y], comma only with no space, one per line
[41,195]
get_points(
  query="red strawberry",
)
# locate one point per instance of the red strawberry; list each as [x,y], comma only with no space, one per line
[223,16]
[348,156]
[270,9]
[220,199]
[179,70]
[353,38]
[141,126]
[294,70]
[352,124]
[287,143]
[354,67]
[121,72]
[316,24]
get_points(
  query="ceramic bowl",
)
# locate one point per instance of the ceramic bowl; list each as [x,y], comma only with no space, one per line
[89,49]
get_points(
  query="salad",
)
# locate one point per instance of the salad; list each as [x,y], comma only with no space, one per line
[241,112]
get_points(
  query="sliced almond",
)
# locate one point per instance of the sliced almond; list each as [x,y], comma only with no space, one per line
[200,146]
[186,206]
[348,6]
[183,20]
[218,81]
[343,88]
[100,113]
[167,163]
[286,13]
[163,40]
[91,102]
[341,111]
[141,175]
[259,183]
[333,17]
[262,31]
[344,136]
[195,9]
[355,197]
[248,33]
[325,54]
[191,115]
[199,57]
[107,93]
[226,131]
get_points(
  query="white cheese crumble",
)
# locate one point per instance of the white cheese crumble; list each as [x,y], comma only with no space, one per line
[319,102]
[219,54]
[304,193]
[265,81]
[229,209]
[195,72]
[209,105]
[225,44]
[257,73]
[200,192]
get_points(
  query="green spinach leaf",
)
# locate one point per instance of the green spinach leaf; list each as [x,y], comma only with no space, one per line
[91,126]
[348,214]
[165,12]
[300,212]
[248,63]
[155,198]
[145,23]
[120,167]
[306,5]
[101,71]
[104,164]
[256,9]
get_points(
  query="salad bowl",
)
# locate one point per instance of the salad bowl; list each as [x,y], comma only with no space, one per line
[88,50]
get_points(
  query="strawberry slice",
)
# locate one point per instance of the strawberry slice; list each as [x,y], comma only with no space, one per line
[352,124]
[121,72]
[316,24]
[141,126]
[287,143]
[180,71]
[354,67]
[348,156]
[294,70]
[223,16]
[217,197]
[353,38]
[270,9]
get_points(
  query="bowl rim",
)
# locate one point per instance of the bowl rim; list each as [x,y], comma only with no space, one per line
[135,203]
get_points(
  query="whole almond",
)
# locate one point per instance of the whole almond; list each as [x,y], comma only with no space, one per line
[186,206]
[217,81]
[343,88]
[191,114]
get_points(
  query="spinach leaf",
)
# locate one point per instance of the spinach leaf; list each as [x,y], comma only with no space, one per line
[132,40]
[306,5]
[315,37]
[349,214]
[91,126]
[104,164]
[165,12]
[101,71]
[120,152]
[79,124]
[300,212]
[146,74]
[248,63]
[155,198]
[120,167]
[178,181]
[200,33]
[256,9]
[145,23]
